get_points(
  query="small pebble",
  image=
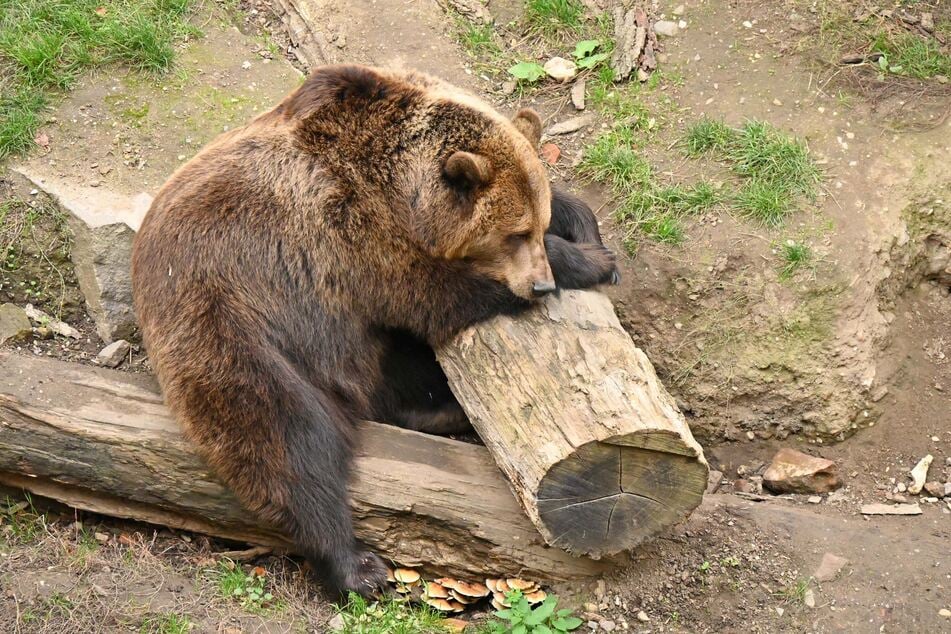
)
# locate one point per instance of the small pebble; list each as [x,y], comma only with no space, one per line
[814,499]
[642,617]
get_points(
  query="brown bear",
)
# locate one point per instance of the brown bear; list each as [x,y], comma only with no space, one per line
[294,276]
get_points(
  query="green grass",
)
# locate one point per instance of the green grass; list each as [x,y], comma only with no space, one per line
[613,159]
[389,617]
[707,135]
[170,623]
[477,39]
[912,55]
[247,588]
[620,101]
[554,17]
[46,44]
[21,523]
[795,255]
[776,170]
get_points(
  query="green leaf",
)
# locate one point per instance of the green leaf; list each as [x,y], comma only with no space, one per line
[591,62]
[563,613]
[519,629]
[504,614]
[883,62]
[527,71]
[542,629]
[895,69]
[585,48]
[573,623]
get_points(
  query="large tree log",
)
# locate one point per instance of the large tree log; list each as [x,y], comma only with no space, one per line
[573,413]
[102,441]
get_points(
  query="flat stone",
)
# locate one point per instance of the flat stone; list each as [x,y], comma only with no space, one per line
[571,125]
[714,478]
[891,509]
[337,623]
[829,568]
[103,223]
[560,68]
[114,354]
[50,323]
[577,94]
[934,489]
[792,471]
[14,324]
[666,28]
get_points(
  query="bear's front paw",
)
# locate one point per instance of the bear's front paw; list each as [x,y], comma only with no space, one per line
[604,261]
[364,573]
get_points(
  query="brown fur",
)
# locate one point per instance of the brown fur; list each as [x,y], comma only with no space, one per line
[369,215]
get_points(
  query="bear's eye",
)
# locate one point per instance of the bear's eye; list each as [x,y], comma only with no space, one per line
[520,237]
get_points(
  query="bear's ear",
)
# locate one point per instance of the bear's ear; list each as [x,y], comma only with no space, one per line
[467,169]
[529,123]
[345,83]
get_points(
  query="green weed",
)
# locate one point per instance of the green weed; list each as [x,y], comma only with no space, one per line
[170,623]
[613,159]
[46,44]
[620,101]
[249,589]
[477,39]
[706,135]
[767,202]
[554,17]
[794,256]
[912,55]
[388,617]
[521,618]
[21,522]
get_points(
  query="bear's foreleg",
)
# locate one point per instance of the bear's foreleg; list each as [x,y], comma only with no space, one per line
[572,219]
[582,265]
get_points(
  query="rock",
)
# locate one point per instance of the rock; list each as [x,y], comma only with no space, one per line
[455,626]
[53,325]
[508,87]
[42,332]
[103,224]
[780,611]
[113,354]
[934,489]
[900,487]
[947,489]
[809,598]
[337,623]
[102,538]
[666,28]
[743,486]
[550,153]
[571,125]
[608,626]
[560,68]
[792,471]
[642,616]
[814,499]
[14,324]
[678,10]
[714,478]
[891,509]
[919,474]
[927,22]
[945,613]
[577,94]
[830,566]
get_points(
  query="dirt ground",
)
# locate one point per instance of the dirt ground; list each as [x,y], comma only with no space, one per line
[849,360]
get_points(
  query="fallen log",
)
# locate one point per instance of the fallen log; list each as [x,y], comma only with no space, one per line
[573,413]
[102,441]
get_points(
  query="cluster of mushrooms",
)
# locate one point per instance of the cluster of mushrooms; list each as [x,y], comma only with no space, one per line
[453,595]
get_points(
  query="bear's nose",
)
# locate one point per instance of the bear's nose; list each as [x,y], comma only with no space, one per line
[543,288]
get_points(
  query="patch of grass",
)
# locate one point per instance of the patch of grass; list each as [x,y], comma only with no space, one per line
[659,211]
[707,135]
[86,547]
[170,623]
[46,44]
[777,168]
[21,523]
[388,617]
[554,17]
[613,159]
[248,588]
[912,55]
[620,101]
[477,39]
[797,591]
[795,255]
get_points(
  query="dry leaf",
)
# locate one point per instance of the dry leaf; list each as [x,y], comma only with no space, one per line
[100,11]
[258,571]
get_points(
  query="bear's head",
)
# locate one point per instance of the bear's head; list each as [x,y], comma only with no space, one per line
[498,192]
[467,180]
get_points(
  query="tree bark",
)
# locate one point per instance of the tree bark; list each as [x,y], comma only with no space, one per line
[102,441]
[573,413]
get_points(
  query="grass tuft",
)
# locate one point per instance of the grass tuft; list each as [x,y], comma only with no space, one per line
[706,135]
[554,18]
[795,255]
[46,44]
[389,617]
[912,55]
[170,623]
[613,159]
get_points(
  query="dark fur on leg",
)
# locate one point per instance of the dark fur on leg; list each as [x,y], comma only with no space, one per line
[579,265]
[572,219]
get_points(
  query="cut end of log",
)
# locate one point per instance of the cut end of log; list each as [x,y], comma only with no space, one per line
[606,498]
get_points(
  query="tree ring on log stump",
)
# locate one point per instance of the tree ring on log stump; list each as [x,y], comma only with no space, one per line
[605,498]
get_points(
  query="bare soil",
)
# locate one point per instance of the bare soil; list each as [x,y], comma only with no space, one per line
[850,359]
